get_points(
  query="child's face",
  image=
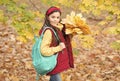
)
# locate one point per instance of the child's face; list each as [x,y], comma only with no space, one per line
[54,18]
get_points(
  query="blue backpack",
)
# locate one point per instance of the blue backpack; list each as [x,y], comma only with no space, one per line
[43,64]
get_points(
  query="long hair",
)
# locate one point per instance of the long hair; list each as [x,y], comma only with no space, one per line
[48,13]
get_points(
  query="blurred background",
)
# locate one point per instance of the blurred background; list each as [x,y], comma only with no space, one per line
[96,56]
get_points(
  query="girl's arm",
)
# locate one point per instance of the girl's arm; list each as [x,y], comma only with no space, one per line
[46,50]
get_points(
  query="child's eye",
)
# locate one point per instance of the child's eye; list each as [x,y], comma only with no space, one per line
[58,17]
[53,16]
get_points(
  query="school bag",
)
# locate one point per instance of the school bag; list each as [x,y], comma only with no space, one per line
[43,64]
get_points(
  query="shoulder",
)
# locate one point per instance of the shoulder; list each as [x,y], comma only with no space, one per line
[48,31]
[45,30]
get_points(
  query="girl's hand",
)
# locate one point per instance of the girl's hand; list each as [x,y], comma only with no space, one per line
[62,45]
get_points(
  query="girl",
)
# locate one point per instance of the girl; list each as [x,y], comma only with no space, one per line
[50,46]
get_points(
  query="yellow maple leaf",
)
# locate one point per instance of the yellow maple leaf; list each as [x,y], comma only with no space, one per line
[69,26]
[75,23]
[79,21]
[69,19]
[77,30]
[68,31]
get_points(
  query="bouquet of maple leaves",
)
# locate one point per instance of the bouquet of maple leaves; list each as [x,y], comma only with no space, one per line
[75,24]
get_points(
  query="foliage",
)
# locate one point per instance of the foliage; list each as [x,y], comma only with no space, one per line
[26,25]
[116,45]
[97,8]
[26,20]
[75,23]
[87,41]
[3,19]
[66,3]
[101,63]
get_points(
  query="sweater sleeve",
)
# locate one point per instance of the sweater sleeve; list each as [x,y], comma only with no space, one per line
[45,48]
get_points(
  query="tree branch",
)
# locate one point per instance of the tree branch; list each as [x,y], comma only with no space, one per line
[34,5]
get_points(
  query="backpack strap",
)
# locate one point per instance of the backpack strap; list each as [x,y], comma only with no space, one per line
[53,32]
